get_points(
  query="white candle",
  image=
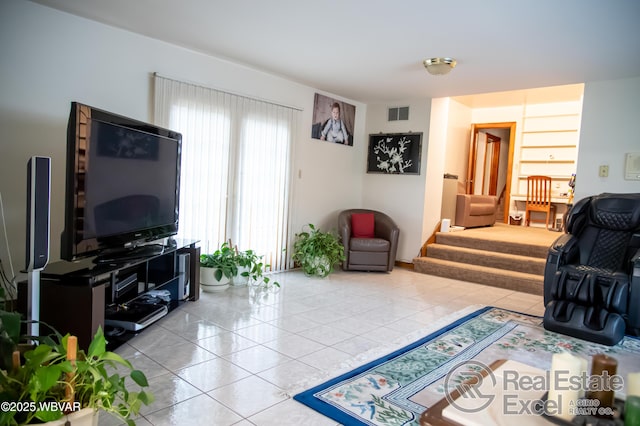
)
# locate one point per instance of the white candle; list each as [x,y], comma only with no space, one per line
[633,384]
[583,370]
[563,367]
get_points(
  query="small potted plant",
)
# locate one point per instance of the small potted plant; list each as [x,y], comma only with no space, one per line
[251,270]
[246,262]
[217,269]
[53,383]
[317,252]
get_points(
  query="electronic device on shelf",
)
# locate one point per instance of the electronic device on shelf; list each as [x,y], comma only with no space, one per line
[137,314]
[129,253]
[122,185]
[111,331]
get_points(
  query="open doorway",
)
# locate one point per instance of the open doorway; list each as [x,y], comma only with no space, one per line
[491,163]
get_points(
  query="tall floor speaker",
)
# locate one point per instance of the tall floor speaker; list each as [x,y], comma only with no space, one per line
[184,275]
[37,253]
[38,202]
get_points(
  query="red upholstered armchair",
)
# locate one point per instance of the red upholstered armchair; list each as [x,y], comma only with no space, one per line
[367,247]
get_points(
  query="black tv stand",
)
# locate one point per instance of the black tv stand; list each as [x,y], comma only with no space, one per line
[77,297]
[126,254]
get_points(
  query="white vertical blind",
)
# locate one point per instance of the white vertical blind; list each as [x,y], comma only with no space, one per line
[235,176]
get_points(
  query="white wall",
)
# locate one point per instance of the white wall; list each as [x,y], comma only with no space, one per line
[436,163]
[610,112]
[608,130]
[50,58]
[400,196]
[458,140]
[327,176]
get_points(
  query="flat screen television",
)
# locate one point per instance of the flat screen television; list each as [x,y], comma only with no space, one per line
[122,183]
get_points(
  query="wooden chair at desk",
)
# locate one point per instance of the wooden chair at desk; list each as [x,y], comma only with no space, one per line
[539,199]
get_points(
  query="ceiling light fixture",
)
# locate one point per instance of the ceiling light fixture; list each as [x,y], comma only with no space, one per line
[439,66]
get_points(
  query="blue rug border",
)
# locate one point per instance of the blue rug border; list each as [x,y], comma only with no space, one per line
[307,398]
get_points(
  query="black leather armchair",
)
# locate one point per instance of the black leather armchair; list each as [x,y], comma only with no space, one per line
[369,254]
[592,274]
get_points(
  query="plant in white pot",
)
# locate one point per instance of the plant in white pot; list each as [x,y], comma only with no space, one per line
[251,270]
[53,383]
[246,261]
[317,252]
[217,269]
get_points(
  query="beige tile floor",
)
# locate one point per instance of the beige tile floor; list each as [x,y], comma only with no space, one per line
[231,358]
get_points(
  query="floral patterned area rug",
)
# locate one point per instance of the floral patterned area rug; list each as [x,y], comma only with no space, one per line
[397,388]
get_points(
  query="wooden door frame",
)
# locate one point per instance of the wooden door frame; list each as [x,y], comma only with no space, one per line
[495,163]
[471,169]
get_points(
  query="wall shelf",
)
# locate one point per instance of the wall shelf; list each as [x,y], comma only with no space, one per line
[547,146]
[554,177]
[552,115]
[557,200]
[550,131]
[548,161]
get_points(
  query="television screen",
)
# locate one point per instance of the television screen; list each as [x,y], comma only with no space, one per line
[122,182]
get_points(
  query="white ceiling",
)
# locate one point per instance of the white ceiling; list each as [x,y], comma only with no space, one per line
[372,50]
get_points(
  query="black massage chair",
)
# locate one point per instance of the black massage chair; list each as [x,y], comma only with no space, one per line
[592,274]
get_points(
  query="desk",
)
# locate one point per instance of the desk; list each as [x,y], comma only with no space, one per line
[554,200]
[560,203]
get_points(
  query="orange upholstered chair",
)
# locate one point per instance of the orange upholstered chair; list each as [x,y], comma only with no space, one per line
[539,199]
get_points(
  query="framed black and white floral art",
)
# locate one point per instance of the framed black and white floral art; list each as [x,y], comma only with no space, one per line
[394,153]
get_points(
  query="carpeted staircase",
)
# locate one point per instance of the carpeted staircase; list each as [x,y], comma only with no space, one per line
[511,257]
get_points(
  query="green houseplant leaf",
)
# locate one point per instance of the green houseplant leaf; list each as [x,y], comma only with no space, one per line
[255,268]
[41,377]
[223,260]
[317,252]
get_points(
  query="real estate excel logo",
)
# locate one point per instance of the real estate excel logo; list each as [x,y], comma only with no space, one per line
[471,386]
[466,378]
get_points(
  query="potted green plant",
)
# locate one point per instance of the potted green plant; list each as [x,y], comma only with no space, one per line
[246,262]
[251,269]
[317,252]
[46,382]
[217,269]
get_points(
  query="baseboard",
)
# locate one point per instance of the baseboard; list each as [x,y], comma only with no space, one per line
[430,240]
[404,265]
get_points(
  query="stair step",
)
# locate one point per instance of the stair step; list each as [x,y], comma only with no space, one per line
[517,248]
[513,262]
[511,280]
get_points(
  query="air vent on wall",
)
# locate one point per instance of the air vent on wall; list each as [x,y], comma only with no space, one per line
[398,113]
